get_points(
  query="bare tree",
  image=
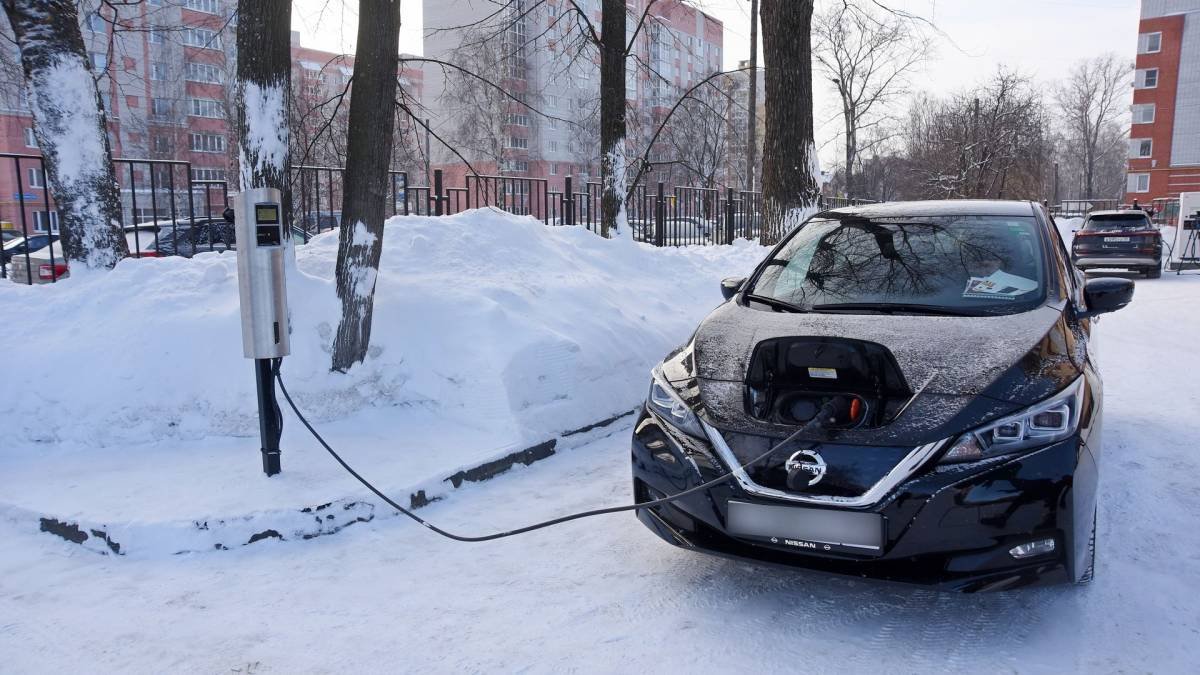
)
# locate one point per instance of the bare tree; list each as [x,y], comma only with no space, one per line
[613,52]
[752,99]
[71,128]
[368,154]
[1091,100]
[867,53]
[789,156]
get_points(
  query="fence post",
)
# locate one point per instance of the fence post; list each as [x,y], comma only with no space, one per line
[660,214]
[437,192]
[729,215]
[569,203]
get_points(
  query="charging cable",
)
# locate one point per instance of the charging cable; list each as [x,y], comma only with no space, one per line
[827,411]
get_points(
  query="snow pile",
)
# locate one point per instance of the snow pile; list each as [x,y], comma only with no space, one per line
[487,319]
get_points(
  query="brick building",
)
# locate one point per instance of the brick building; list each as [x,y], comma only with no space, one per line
[543,65]
[1164,145]
[166,69]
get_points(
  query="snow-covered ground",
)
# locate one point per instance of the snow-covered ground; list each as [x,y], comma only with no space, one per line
[492,333]
[604,594]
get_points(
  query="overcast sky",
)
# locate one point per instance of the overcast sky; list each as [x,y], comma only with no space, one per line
[1041,38]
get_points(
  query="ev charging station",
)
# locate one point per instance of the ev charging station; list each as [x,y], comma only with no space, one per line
[1185,251]
[261,249]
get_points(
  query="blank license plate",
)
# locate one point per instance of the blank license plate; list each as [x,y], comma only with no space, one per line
[1116,239]
[805,529]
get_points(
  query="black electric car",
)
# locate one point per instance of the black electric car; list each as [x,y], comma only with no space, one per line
[901,391]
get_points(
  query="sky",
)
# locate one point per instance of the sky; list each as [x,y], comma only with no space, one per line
[1040,38]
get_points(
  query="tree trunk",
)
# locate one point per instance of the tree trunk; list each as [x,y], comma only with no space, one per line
[364,197]
[851,146]
[789,157]
[752,102]
[71,129]
[612,116]
[264,68]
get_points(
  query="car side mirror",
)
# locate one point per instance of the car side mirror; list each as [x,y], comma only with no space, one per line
[730,286]
[1106,294]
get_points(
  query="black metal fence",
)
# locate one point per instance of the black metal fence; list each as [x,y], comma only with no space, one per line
[163,208]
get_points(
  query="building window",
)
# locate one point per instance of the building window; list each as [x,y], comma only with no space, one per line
[160,108]
[206,142]
[201,37]
[1149,43]
[1146,78]
[553,123]
[1140,148]
[156,36]
[552,146]
[553,169]
[163,145]
[43,221]
[95,23]
[99,61]
[205,107]
[206,6]
[551,99]
[204,72]
[30,138]
[202,173]
[518,119]
[1143,113]
[518,143]
[37,177]
[1139,182]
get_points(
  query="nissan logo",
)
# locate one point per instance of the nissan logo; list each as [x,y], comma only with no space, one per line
[806,462]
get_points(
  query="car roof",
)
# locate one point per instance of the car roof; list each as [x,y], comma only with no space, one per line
[938,207]
[1119,212]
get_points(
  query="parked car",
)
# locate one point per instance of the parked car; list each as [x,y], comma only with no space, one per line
[185,237]
[8,235]
[902,391]
[686,230]
[44,266]
[1125,239]
[22,245]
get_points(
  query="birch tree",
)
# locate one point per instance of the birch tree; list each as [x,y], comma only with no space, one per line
[368,153]
[789,156]
[263,91]
[71,129]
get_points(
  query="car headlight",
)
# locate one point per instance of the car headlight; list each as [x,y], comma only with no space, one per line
[1047,422]
[665,402]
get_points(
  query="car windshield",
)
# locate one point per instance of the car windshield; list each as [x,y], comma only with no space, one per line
[1117,222]
[970,265]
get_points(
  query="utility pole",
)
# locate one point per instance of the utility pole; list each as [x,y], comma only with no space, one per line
[752,104]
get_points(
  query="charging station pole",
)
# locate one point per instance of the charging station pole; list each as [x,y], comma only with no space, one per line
[261,244]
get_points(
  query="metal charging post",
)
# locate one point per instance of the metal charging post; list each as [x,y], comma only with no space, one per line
[261,251]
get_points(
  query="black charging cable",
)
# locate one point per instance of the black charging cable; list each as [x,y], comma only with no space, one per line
[816,422]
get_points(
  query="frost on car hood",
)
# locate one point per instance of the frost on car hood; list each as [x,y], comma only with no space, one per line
[1000,362]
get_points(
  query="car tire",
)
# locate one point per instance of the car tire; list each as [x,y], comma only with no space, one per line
[1090,571]
[1154,272]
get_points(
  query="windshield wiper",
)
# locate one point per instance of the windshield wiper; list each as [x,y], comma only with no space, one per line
[777,304]
[895,308]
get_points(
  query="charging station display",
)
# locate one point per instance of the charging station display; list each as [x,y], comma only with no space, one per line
[268,229]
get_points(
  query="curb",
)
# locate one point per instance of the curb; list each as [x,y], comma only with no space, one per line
[143,539]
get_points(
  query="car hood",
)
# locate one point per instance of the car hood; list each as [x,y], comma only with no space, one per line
[964,370]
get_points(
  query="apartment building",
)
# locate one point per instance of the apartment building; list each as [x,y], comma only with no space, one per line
[165,74]
[1164,145]
[540,60]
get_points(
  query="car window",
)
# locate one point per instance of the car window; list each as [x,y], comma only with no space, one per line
[968,264]
[1117,222]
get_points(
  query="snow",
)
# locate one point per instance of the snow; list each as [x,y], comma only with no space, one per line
[600,595]
[362,276]
[69,130]
[266,138]
[492,333]
[605,595]
[615,183]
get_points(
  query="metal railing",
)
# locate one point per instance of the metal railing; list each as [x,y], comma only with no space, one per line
[157,194]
